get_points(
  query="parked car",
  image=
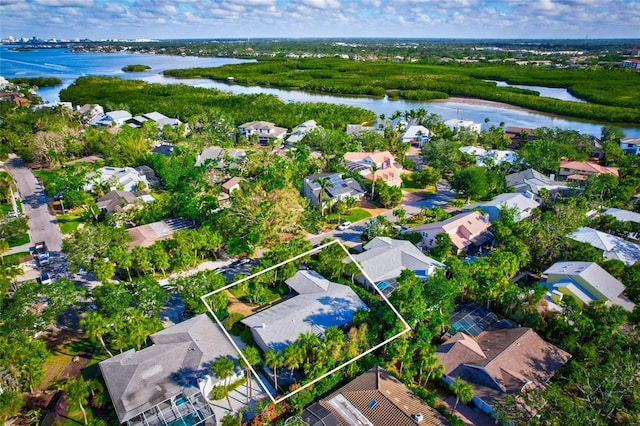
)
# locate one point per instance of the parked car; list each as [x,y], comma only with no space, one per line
[344,225]
[45,278]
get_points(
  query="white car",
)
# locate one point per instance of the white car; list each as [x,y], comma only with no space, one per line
[344,225]
[45,278]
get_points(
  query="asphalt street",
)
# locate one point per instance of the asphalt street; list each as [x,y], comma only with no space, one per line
[42,224]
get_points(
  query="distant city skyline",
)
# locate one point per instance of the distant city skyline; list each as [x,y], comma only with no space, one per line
[179,19]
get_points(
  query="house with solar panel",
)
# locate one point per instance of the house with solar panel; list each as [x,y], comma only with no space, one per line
[336,188]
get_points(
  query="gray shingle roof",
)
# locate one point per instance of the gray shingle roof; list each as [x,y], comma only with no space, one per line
[385,258]
[139,380]
[319,304]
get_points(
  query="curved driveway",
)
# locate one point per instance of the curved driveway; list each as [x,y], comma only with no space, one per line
[42,224]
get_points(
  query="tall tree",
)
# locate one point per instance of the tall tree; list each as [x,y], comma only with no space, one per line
[253,357]
[273,359]
[324,183]
[463,392]
[223,369]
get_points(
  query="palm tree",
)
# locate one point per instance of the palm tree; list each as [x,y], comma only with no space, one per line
[94,325]
[324,183]
[273,359]
[253,357]
[292,357]
[308,342]
[223,369]
[463,391]
[78,391]
[374,169]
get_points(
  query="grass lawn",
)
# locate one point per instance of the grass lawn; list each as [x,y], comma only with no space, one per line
[18,240]
[69,222]
[14,259]
[356,215]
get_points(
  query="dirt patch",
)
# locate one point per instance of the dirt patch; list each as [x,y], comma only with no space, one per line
[372,208]
[236,306]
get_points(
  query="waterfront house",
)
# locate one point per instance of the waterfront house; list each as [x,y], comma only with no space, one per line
[354,130]
[457,125]
[298,133]
[222,158]
[111,119]
[631,145]
[416,135]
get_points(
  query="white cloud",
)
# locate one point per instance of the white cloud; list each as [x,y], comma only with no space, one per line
[65,3]
[321,4]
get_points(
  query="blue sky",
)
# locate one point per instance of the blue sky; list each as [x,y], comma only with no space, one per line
[166,19]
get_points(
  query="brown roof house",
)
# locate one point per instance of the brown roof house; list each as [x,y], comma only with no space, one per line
[581,170]
[503,360]
[116,201]
[168,382]
[374,398]
[464,229]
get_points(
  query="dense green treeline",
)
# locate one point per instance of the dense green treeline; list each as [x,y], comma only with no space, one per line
[36,81]
[184,102]
[609,92]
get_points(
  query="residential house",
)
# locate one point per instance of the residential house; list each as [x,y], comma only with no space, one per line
[626,216]
[111,119]
[634,64]
[387,169]
[522,204]
[337,188]
[610,246]
[503,360]
[146,235]
[89,112]
[416,135]
[160,120]
[456,124]
[384,259]
[580,170]
[354,130]
[491,157]
[519,134]
[631,145]
[232,184]
[115,201]
[263,130]
[168,382]
[374,398]
[465,230]
[298,133]
[532,181]
[16,98]
[223,158]
[165,149]
[587,282]
[317,305]
[120,178]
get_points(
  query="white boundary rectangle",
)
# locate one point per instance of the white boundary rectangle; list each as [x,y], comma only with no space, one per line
[310,252]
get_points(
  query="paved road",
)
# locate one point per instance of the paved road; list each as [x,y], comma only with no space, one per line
[351,237]
[42,224]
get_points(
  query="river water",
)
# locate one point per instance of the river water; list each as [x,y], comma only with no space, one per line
[69,66]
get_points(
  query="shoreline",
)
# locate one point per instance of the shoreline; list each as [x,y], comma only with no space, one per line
[496,104]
